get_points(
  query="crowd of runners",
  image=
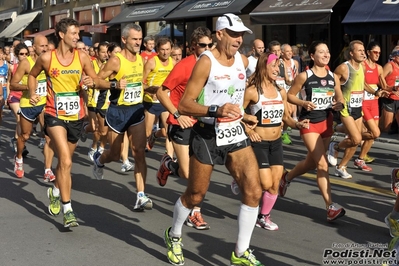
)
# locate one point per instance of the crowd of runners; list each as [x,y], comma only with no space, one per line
[215,106]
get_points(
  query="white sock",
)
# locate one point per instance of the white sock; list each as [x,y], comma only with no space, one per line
[66,207]
[19,160]
[180,213]
[246,222]
[47,169]
[140,194]
[56,192]
[126,161]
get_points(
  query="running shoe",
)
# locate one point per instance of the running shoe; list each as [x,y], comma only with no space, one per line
[284,184]
[334,211]
[247,259]
[91,154]
[265,222]
[151,141]
[55,204]
[83,134]
[395,180]
[70,219]
[41,143]
[361,164]
[164,171]
[49,176]
[341,172]
[18,168]
[393,225]
[143,203]
[368,159]
[126,167]
[98,171]
[332,153]
[34,131]
[286,138]
[174,247]
[235,189]
[196,221]
[13,144]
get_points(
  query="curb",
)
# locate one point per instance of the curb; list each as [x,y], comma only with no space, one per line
[380,139]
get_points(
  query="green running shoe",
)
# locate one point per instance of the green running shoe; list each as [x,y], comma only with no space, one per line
[286,138]
[368,159]
[175,252]
[55,205]
[70,219]
[248,259]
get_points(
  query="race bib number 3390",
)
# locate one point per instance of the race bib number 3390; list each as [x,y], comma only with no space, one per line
[229,131]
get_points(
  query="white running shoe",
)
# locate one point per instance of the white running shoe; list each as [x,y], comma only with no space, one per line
[126,167]
[234,188]
[332,154]
[341,172]
[143,203]
[265,222]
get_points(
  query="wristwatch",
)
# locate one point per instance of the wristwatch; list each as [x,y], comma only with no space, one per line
[212,110]
[113,85]
[176,114]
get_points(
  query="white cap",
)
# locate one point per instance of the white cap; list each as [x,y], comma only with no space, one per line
[28,43]
[231,22]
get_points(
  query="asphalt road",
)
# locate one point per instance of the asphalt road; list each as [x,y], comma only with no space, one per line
[110,233]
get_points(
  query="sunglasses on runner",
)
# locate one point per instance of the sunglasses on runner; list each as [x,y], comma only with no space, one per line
[203,45]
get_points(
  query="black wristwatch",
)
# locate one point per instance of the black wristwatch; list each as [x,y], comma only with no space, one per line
[176,114]
[212,110]
[113,85]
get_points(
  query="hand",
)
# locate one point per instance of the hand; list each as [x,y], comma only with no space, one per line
[337,106]
[253,136]
[229,110]
[152,89]
[250,121]
[185,121]
[303,124]
[122,84]
[309,106]
[383,93]
[34,99]
[87,81]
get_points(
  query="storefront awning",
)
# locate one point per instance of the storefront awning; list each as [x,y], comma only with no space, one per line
[292,12]
[145,12]
[372,17]
[207,8]
[18,25]
[45,33]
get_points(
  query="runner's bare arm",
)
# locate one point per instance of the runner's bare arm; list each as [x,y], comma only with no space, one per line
[23,68]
